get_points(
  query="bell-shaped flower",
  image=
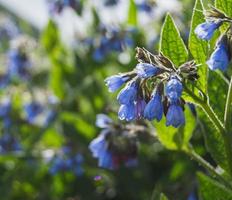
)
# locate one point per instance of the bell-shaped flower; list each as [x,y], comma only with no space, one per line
[219,58]
[115,82]
[206,30]
[175,116]
[154,108]
[146,70]
[174,89]
[127,112]
[128,94]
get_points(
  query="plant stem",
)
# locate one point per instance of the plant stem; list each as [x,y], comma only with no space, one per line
[207,166]
[218,124]
[228,108]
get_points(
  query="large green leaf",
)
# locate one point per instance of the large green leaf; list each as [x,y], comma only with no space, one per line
[173,138]
[224,5]
[198,47]
[211,189]
[171,43]
[132,13]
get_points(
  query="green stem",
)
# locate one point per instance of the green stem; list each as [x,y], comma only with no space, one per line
[218,124]
[207,166]
[228,108]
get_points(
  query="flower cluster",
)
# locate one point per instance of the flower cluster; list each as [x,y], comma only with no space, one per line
[67,161]
[117,144]
[152,89]
[111,39]
[221,57]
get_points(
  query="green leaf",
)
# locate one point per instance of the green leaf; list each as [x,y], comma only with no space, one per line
[211,189]
[171,43]
[198,47]
[225,6]
[132,13]
[50,37]
[173,138]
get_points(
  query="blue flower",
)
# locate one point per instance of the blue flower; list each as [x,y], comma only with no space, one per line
[103,121]
[175,116]
[99,149]
[145,6]
[115,82]
[9,143]
[174,89]
[154,108]
[127,112]
[219,58]
[205,30]
[128,94]
[140,106]
[32,111]
[146,70]
[18,64]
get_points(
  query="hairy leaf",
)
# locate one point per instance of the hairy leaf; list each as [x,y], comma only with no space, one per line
[212,189]
[198,47]
[171,43]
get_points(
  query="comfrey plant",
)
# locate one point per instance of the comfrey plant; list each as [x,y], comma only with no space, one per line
[161,84]
[117,143]
[153,88]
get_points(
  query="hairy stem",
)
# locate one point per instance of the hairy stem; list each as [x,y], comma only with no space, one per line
[218,124]
[228,108]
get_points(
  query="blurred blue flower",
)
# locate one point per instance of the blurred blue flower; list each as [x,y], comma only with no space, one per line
[129,93]
[99,149]
[174,89]
[115,82]
[8,143]
[67,161]
[146,70]
[112,39]
[103,121]
[18,64]
[32,110]
[127,112]
[206,30]
[175,116]
[154,108]
[145,6]
[219,58]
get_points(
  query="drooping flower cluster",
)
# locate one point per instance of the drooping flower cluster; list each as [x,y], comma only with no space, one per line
[152,89]
[221,57]
[116,144]
[111,39]
[67,160]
